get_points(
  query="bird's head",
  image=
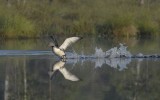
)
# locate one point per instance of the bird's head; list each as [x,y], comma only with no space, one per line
[51,44]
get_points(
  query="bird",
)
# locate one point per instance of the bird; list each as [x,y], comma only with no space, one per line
[60,50]
[59,66]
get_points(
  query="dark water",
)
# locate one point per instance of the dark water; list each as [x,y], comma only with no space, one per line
[28,71]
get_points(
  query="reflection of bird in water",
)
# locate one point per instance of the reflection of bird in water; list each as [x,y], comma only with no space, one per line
[60,51]
[59,66]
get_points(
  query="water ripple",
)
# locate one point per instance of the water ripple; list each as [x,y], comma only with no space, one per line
[23,52]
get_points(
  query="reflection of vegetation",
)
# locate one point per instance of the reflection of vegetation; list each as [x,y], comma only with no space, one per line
[23,44]
[31,18]
[137,82]
[135,46]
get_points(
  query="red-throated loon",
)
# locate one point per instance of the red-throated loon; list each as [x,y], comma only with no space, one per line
[60,51]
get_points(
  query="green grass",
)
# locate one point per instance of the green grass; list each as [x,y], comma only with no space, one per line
[80,17]
[15,26]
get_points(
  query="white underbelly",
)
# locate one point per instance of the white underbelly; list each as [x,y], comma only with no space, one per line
[58,52]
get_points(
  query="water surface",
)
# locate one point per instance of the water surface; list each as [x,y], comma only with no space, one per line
[26,68]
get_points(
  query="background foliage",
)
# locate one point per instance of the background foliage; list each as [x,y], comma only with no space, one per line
[35,18]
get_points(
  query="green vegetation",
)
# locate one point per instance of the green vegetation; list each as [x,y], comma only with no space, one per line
[34,18]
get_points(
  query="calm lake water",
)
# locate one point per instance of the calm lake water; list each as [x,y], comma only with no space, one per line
[29,71]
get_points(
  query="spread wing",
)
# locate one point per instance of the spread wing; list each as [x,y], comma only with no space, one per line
[68,75]
[69,41]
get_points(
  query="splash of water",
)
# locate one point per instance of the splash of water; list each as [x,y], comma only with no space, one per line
[118,52]
[99,53]
[116,57]
[115,52]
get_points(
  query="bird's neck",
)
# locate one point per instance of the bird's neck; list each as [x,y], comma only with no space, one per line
[53,48]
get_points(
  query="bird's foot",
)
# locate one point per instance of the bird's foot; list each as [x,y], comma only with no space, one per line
[63,58]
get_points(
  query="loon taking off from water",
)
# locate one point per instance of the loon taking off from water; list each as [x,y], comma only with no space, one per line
[60,51]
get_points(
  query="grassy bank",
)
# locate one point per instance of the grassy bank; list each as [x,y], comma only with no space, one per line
[32,18]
